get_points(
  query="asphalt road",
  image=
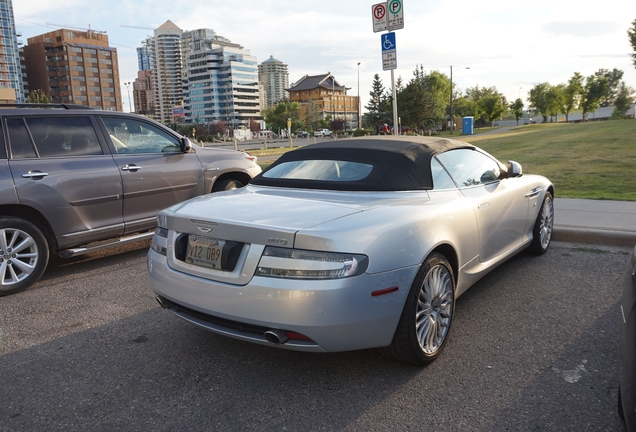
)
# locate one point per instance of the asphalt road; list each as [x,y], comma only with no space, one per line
[533,347]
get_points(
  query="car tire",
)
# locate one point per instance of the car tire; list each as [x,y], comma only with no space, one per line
[227,184]
[21,266]
[543,226]
[431,300]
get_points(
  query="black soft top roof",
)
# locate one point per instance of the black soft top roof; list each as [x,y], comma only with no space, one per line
[399,163]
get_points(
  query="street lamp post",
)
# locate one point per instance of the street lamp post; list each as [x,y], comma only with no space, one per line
[358,95]
[452,122]
[127,84]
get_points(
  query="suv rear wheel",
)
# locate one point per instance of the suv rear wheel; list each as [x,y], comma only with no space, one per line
[24,254]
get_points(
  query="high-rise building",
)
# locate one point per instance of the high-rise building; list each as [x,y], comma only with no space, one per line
[143,94]
[220,82]
[274,80]
[74,66]
[11,85]
[166,64]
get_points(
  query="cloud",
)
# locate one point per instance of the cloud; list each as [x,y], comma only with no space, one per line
[584,29]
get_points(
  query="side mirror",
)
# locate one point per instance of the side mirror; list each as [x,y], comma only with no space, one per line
[186,145]
[514,169]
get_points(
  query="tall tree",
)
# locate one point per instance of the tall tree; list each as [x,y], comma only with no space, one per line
[614,78]
[377,109]
[276,117]
[623,101]
[573,94]
[493,106]
[517,109]
[556,100]
[539,99]
[594,90]
[631,33]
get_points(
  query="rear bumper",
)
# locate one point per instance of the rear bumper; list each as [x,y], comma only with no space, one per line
[337,315]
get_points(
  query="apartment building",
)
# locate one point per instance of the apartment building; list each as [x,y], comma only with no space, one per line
[220,82]
[11,83]
[143,94]
[273,77]
[74,66]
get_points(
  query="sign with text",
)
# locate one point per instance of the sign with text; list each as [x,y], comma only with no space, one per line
[394,15]
[389,51]
[378,11]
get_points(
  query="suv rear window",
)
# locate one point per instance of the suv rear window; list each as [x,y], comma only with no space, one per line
[53,137]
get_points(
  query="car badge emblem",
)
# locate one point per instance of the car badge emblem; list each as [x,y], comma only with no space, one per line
[205,229]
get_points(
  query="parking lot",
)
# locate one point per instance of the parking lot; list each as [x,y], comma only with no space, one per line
[533,347]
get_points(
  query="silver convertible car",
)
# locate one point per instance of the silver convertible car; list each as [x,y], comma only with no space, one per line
[349,244]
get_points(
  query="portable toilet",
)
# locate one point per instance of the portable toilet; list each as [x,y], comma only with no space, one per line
[467,125]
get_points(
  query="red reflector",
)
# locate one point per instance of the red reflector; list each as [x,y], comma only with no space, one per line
[384,291]
[297,336]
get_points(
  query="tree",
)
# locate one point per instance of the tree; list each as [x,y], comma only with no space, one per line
[377,109]
[573,94]
[218,128]
[493,106]
[556,101]
[623,101]
[631,33]
[594,90]
[614,78]
[538,97]
[37,96]
[277,116]
[517,109]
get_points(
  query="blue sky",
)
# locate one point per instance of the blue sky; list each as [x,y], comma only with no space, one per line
[510,45]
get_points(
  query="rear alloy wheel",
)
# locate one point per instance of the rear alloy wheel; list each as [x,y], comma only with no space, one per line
[542,231]
[227,184]
[24,254]
[427,314]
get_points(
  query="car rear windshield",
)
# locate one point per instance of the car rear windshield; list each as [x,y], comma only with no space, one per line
[321,170]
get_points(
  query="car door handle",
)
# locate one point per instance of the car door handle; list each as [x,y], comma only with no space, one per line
[34,174]
[483,206]
[130,167]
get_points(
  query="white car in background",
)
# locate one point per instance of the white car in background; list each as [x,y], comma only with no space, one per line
[323,133]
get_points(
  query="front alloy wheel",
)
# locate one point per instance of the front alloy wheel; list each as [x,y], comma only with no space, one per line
[543,226]
[427,315]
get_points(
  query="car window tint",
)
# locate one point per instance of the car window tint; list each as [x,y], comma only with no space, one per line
[134,136]
[322,170]
[470,167]
[64,136]
[441,179]
[19,139]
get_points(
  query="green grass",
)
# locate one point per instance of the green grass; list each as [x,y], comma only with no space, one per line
[594,160]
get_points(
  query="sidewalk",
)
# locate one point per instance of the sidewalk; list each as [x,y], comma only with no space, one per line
[609,223]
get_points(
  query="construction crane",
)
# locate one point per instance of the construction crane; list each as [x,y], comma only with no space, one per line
[138,27]
[89,29]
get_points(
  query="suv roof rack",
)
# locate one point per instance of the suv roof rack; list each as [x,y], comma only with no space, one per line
[44,105]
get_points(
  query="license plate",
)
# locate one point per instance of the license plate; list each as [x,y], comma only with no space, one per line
[205,252]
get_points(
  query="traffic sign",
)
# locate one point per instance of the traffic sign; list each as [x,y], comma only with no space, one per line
[395,15]
[379,17]
[389,51]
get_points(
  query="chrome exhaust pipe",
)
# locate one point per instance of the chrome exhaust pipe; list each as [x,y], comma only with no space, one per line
[162,303]
[275,336]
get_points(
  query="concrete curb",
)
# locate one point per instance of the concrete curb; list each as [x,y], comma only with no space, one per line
[594,236]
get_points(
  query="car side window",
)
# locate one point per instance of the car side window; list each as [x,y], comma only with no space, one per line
[19,139]
[134,136]
[64,136]
[441,179]
[470,167]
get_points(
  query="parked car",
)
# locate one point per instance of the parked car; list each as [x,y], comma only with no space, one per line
[75,181]
[349,245]
[302,134]
[323,133]
[627,344]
